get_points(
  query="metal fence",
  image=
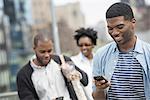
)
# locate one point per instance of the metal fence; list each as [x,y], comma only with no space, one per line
[9,96]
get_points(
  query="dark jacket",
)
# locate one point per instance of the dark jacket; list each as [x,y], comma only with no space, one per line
[26,90]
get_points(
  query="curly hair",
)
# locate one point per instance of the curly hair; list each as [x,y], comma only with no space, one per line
[89,32]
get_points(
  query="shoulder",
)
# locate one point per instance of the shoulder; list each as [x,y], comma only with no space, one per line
[105,49]
[25,70]
[57,59]
[145,44]
[76,57]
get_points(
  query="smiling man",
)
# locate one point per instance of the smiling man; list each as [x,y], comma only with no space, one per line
[42,78]
[125,63]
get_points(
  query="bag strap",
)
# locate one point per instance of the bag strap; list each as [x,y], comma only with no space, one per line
[62,59]
[69,85]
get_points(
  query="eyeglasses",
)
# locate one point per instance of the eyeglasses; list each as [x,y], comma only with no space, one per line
[86,45]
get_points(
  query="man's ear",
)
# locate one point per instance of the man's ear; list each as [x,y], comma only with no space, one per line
[133,20]
[34,48]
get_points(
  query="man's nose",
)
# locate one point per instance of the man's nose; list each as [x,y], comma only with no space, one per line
[115,32]
[47,54]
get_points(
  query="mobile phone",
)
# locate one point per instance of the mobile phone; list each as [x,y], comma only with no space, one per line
[99,78]
[60,98]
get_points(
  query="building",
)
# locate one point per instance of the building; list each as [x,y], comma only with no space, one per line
[17,38]
[40,14]
[71,14]
[141,9]
[4,72]
[69,18]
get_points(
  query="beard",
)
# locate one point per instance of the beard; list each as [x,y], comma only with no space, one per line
[128,36]
[41,61]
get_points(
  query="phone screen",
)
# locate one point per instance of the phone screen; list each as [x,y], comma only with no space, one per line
[98,78]
[59,98]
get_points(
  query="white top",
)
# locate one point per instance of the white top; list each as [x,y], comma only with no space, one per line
[86,65]
[49,82]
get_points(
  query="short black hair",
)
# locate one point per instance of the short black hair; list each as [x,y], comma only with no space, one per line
[120,9]
[40,36]
[86,32]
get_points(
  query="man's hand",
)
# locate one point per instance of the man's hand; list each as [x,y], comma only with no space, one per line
[99,94]
[75,75]
[101,84]
[70,72]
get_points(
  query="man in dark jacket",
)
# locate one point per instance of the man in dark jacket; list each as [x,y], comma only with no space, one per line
[42,78]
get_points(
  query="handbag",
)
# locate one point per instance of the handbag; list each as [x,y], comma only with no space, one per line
[72,78]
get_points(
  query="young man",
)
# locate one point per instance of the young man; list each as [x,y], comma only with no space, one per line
[42,78]
[125,63]
[85,40]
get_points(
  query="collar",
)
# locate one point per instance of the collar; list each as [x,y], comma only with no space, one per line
[138,47]
[33,65]
[82,57]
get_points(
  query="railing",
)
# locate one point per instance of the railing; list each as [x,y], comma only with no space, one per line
[9,96]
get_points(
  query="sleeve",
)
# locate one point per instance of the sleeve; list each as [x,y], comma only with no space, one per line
[99,61]
[96,66]
[25,91]
[84,79]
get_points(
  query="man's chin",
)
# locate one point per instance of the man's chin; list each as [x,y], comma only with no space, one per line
[45,62]
[119,41]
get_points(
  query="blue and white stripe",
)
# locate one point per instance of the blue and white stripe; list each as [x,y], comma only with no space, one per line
[127,80]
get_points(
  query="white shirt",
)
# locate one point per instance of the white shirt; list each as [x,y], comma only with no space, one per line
[49,82]
[86,65]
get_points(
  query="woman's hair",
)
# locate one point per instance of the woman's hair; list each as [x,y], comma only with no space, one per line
[88,32]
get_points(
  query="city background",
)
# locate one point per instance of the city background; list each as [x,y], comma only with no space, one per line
[21,19]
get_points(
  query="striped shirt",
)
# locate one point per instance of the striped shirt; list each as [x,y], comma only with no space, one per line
[127,79]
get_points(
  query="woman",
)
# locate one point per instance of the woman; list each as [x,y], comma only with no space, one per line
[85,40]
